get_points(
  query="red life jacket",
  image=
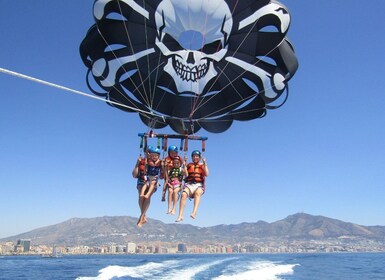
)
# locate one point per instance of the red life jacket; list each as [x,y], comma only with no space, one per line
[142,169]
[169,163]
[195,172]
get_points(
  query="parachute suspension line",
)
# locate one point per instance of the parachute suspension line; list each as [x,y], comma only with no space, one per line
[192,126]
[235,6]
[145,97]
[156,77]
[117,89]
[145,144]
[152,94]
[195,98]
[22,76]
[160,63]
[231,81]
[186,141]
[181,144]
[101,74]
[165,138]
[202,103]
[270,107]
[235,103]
[243,99]
[164,145]
[159,140]
[185,145]
[141,146]
[217,77]
[112,51]
[203,146]
[196,102]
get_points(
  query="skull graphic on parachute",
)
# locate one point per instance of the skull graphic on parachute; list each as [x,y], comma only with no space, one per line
[200,45]
[177,62]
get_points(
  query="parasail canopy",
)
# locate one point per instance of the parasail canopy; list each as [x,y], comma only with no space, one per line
[190,64]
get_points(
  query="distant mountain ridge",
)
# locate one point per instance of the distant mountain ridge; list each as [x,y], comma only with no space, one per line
[123,229]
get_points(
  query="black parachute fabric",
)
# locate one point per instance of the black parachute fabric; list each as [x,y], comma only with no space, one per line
[190,64]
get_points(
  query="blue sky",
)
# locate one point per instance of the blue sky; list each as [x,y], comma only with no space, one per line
[64,155]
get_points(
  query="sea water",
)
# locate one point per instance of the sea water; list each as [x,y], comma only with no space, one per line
[352,266]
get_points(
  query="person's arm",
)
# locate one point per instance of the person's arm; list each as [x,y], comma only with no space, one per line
[135,171]
[205,167]
[185,170]
[162,170]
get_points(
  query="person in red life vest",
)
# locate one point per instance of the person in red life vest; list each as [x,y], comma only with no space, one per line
[174,184]
[166,166]
[195,172]
[139,172]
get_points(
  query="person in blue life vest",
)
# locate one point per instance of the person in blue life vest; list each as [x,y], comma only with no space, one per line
[195,172]
[153,168]
[140,173]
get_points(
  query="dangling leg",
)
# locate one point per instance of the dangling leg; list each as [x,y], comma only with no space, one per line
[169,199]
[182,204]
[151,188]
[143,189]
[141,202]
[175,196]
[197,199]
[142,219]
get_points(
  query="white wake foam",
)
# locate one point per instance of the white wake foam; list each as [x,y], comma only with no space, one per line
[261,270]
[142,271]
[187,269]
[190,271]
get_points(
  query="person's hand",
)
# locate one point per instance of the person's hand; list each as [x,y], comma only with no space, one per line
[164,195]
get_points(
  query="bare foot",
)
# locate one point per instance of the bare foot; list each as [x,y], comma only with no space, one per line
[173,212]
[139,223]
[179,219]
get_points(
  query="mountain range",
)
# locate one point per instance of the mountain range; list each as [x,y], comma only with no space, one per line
[123,229]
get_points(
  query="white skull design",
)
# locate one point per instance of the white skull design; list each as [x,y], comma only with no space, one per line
[193,35]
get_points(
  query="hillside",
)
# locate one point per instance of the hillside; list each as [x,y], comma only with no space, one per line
[105,230]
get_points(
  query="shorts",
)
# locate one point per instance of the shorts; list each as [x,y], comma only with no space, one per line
[153,178]
[192,187]
[175,183]
[141,183]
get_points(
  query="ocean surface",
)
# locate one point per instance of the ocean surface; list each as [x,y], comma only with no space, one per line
[350,266]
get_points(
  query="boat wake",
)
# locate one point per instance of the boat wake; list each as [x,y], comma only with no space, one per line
[196,268]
